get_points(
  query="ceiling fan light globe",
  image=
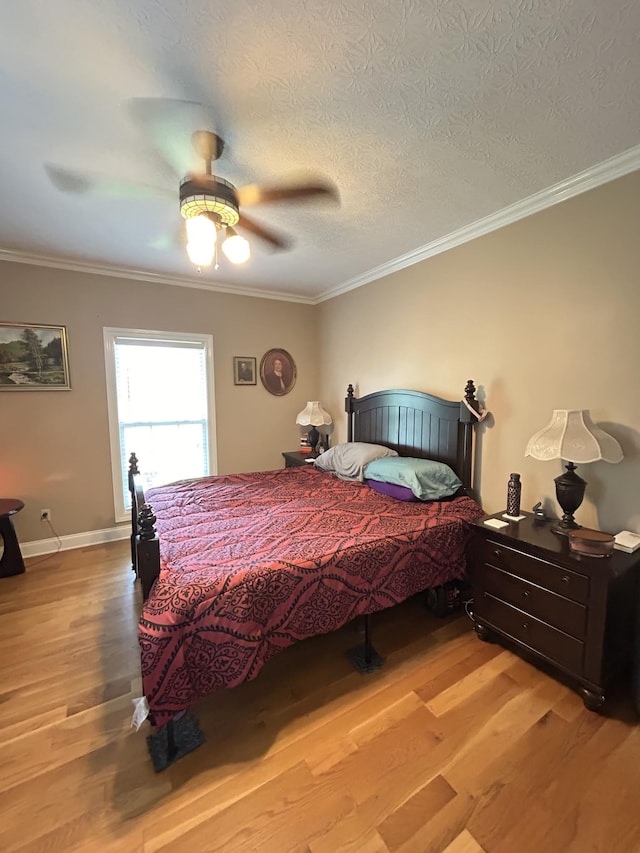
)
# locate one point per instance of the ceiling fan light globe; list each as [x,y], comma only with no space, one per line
[201,255]
[201,240]
[236,248]
[200,229]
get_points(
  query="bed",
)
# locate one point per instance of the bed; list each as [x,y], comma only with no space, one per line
[236,568]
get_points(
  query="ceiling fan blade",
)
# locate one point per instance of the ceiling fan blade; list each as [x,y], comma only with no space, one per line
[255,194]
[171,125]
[81,183]
[278,241]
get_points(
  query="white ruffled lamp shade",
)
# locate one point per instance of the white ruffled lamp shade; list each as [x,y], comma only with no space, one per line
[571,435]
[313,415]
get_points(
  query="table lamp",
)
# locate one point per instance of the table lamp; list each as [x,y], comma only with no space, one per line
[571,435]
[313,415]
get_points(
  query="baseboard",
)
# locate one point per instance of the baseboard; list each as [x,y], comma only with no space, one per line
[74,540]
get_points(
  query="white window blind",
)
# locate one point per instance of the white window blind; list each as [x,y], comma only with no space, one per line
[160,395]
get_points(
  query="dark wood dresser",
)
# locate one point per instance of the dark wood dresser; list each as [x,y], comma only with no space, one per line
[576,613]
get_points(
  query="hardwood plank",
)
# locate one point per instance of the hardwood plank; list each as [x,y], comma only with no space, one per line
[441,829]
[465,687]
[491,739]
[403,823]
[285,818]
[464,843]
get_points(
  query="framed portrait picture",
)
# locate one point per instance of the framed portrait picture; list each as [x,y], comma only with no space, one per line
[244,370]
[278,372]
[33,358]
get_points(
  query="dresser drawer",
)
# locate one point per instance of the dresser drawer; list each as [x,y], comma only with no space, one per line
[541,638]
[565,582]
[569,616]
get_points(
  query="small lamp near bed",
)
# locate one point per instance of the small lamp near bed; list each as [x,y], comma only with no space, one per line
[314,416]
[571,435]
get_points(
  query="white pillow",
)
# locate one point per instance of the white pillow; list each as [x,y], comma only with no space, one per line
[348,460]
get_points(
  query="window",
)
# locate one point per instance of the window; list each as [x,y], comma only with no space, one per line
[160,399]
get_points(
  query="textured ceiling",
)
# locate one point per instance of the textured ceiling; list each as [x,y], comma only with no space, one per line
[429,116]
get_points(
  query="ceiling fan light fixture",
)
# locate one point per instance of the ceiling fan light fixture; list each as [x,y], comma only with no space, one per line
[235,247]
[209,194]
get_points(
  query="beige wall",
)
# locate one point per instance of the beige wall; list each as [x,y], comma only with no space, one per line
[542,314]
[54,445]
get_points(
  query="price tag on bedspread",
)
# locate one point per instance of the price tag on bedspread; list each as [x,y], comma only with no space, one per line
[140,713]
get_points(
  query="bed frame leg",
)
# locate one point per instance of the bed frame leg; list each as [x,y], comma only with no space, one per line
[171,742]
[364,658]
[177,738]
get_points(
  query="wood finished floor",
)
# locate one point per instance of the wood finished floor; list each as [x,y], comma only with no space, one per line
[455,746]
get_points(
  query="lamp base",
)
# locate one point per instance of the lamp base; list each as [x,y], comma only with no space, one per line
[314,438]
[569,494]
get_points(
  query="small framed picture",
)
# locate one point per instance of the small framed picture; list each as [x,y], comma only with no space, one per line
[244,370]
[33,358]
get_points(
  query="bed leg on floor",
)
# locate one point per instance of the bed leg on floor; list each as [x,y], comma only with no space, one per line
[171,742]
[177,738]
[364,658]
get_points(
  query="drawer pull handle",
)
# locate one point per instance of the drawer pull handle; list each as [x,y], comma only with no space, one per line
[525,626]
[565,579]
[526,593]
[497,553]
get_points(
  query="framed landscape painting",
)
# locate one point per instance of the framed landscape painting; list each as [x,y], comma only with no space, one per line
[33,358]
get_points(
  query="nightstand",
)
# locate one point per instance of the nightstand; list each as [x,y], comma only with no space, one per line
[295,459]
[573,612]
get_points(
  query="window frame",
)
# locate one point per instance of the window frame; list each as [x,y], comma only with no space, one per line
[110,335]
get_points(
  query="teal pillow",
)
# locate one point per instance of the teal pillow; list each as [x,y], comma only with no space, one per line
[428,480]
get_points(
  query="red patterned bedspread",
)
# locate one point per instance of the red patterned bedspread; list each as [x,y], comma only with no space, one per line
[251,563]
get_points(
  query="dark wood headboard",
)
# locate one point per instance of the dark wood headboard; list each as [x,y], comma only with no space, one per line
[417,424]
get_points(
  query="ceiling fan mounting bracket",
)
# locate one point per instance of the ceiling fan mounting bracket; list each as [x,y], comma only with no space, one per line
[207,145]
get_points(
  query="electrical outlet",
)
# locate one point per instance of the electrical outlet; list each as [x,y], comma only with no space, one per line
[45,515]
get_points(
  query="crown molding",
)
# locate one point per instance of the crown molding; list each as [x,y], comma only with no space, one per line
[19,257]
[608,170]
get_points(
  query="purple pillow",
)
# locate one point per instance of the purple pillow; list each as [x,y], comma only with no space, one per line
[400,493]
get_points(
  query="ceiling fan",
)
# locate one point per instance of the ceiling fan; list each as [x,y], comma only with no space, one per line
[211,206]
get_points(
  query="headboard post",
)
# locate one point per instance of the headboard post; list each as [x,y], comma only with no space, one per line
[348,407]
[148,550]
[133,473]
[145,544]
[467,423]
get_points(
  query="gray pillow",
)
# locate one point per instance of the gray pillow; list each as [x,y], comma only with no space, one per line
[348,460]
[428,480]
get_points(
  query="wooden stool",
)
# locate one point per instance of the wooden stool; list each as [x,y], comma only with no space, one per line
[11,562]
